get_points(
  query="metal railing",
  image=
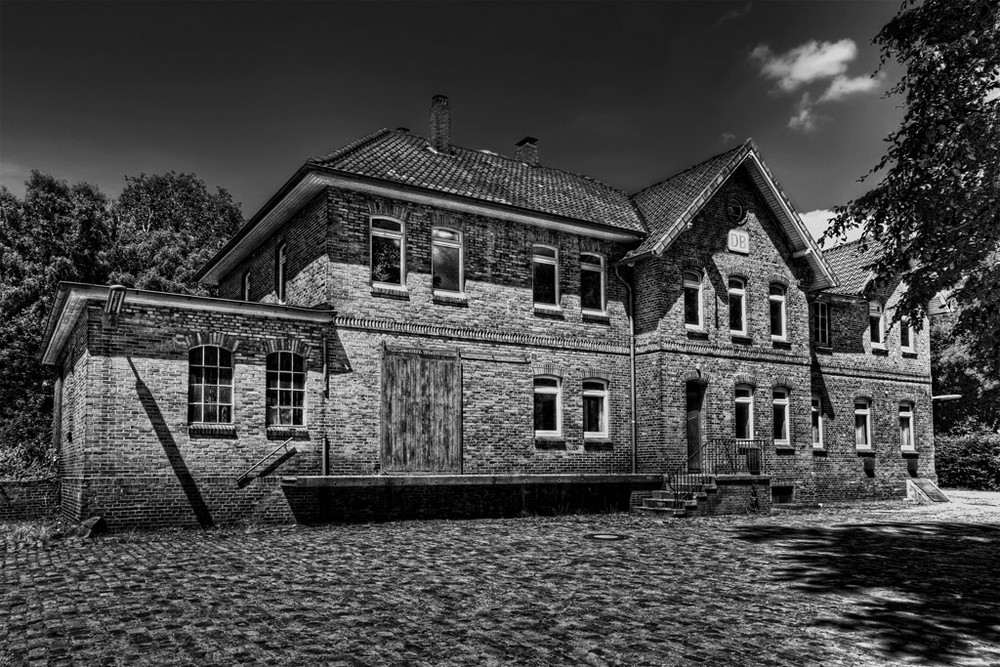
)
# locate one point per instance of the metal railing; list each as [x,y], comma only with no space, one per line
[717,456]
[247,476]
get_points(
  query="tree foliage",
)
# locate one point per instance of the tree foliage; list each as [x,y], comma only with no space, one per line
[936,208]
[956,371]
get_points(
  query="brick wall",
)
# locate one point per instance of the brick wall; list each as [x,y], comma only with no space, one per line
[28,499]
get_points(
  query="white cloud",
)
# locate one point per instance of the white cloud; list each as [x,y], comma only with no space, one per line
[817,221]
[844,86]
[813,61]
[805,118]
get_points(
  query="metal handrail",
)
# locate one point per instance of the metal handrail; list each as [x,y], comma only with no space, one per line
[247,472]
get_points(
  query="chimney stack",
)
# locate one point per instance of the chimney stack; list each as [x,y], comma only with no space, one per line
[527,151]
[440,124]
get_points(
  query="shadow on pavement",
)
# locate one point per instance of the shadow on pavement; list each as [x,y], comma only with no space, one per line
[925,591]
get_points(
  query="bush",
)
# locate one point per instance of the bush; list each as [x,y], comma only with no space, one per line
[969,461]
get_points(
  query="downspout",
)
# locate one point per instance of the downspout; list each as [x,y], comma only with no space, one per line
[630,311]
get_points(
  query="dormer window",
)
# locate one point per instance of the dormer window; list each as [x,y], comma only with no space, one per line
[387,252]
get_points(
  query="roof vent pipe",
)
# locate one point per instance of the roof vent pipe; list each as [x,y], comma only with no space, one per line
[440,124]
[527,151]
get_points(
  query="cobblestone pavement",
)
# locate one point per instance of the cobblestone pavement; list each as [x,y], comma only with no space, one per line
[887,584]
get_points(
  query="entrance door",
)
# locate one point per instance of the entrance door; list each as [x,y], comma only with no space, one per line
[421,413]
[695,400]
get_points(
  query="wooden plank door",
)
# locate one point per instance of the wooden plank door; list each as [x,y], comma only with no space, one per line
[421,413]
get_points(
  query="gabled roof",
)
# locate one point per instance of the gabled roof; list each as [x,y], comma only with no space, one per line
[849,262]
[669,207]
[401,157]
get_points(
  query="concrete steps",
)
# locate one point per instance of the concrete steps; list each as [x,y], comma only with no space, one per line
[681,501]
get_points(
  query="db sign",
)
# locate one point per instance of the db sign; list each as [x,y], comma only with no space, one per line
[739,241]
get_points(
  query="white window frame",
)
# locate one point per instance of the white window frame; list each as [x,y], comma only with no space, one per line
[821,323]
[449,243]
[863,408]
[218,385]
[816,414]
[904,323]
[557,391]
[281,260]
[906,410]
[699,285]
[552,261]
[399,235]
[741,292]
[246,285]
[589,267]
[602,394]
[746,400]
[876,309]
[277,374]
[780,300]
[780,399]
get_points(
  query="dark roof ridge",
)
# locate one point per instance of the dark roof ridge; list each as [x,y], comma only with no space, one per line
[746,144]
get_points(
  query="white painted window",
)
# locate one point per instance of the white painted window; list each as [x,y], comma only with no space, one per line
[280,274]
[693,302]
[906,342]
[545,276]
[592,283]
[819,315]
[447,260]
[863,423]
[388,252]
[210,385]
[876,324]
[779,402]
[744,412]
[737,306]
[595,408]
[286,389]
[817,421]
[906,439]
[246,285]
[779,316]
[548,405]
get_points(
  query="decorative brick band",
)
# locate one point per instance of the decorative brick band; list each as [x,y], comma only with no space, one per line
[228,342]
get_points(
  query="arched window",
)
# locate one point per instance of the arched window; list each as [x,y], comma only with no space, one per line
[863,423]
[447,260]
[210,385]
[744,412]
[737,306]
[387,252]
[595,408]
[817,421]
[906,440]
[286,389]
[545,275]
[779,318]
[548,405]
[693,309]
[592,283]
[779,401]
[876,324]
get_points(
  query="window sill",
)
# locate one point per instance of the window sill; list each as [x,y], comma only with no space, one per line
[909,453]
[741,339]
[781,344]
[909,354]
[201,430]
[880,351]
[598,443]
[697,334]
[550,442]
[865,451]
[784,448]
[819,451]
[451,298]
[823,349]
[284,432]
[551,312]
[596,317]
[391,292]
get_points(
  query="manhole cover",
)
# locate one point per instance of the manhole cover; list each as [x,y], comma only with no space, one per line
[606,537]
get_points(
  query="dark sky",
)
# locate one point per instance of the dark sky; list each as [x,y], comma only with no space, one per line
[241,93]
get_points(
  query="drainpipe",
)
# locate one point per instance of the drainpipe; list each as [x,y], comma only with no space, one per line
[630,311]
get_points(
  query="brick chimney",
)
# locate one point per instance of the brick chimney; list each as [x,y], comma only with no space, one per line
[440,124]
[527,151]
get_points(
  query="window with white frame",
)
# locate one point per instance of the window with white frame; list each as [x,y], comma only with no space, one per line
[548,405]
[545,275]
[905,335]
[210,385]
[744,412]
[592,283]
[280,273]
[447,260]
[387,252]
[595,408]
[246,285]
[876,324]
[906,440]
[693,309]
[737,306]
[863,423]
[817,421]
[286,389]
[819,316]
[779,316]
[779,402]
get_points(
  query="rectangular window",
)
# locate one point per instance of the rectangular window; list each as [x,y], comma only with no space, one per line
[280,273]
[545,276]
[592,282]
[817,421]
[548,406]
[692,300]
[387,252]
[210,385]
[447,261]
[737,307]
[906,442]
[286,389]
[595,409]
[876,324]
[780,403]
[905,335]
[862,424]
[776,300]
[744,412]
[819,315]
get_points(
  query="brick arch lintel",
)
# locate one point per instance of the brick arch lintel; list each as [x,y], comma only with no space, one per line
[596,374]
[746,378]
[696,375]
[783,381]
[388,210]
[778,279]
[547,369]
[199,338]
[292,345]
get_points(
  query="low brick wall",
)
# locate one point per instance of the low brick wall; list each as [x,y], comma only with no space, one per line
[738,494]
[28,499]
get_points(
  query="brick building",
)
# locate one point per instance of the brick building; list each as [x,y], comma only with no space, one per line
[408,322]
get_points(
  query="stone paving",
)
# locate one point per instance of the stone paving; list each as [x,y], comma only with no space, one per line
[887,584]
